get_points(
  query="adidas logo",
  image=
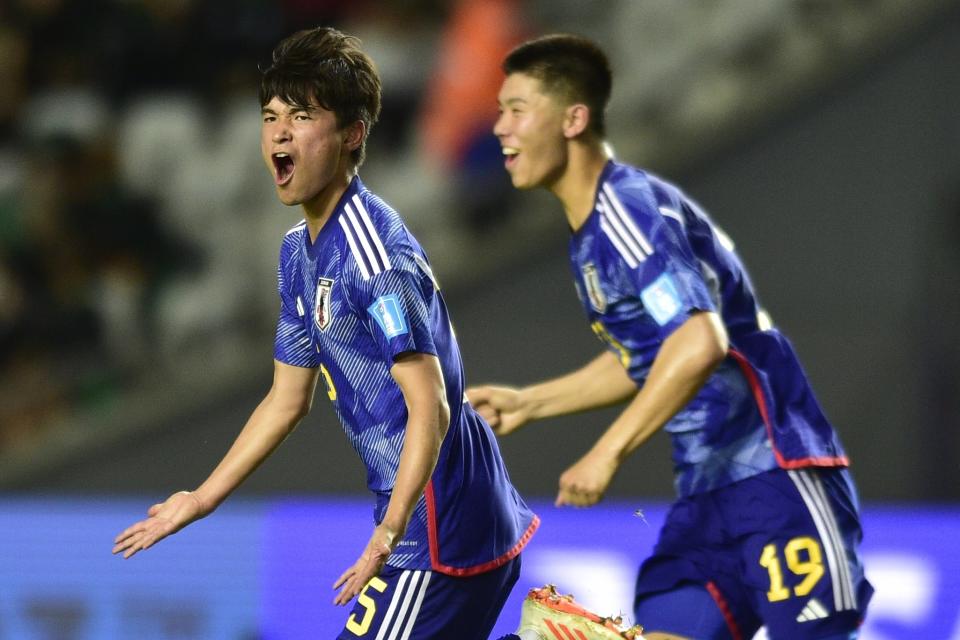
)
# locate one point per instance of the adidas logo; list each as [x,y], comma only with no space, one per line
[812,611]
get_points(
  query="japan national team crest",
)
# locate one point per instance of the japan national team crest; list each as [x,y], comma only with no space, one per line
[322,312]
[591,280]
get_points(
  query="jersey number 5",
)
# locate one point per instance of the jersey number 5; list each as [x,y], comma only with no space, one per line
[328,383]
[370,608]
[803,557]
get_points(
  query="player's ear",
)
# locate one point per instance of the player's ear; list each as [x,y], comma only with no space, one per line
[353,135]
[576,119]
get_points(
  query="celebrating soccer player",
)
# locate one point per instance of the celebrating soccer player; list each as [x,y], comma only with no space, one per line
[765,529]
[361,310]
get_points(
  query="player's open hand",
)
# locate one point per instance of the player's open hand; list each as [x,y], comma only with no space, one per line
[501,407]
[163,519]
[354,579]
[586,481]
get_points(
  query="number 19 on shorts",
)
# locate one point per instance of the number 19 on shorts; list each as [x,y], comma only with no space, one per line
[802,557]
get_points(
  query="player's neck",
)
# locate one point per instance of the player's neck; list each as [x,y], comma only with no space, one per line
[576,188]
[318,210]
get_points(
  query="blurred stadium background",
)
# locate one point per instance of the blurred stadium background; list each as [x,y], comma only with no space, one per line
[138,243]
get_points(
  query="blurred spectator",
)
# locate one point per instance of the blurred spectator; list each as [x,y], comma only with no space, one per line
[460,106]
[126,157]
[83,259]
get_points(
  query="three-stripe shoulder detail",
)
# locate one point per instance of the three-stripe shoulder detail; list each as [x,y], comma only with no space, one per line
[622,230]
[363,238]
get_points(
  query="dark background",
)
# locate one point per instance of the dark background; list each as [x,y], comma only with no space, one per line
[845,206]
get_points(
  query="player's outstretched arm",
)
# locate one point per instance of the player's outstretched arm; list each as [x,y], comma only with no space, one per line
[600,383]
[288,401]
[428,417]
[685,361]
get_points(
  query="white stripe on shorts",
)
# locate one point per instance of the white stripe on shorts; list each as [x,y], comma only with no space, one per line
[811,490]
[393,605]
[416,605]
[396,625]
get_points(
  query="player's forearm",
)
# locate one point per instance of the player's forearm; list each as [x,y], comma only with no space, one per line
[685,362]
[425,430]
[600,383]
[428,417]
[269,424]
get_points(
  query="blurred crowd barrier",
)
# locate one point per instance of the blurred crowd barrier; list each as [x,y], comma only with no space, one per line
[265,569]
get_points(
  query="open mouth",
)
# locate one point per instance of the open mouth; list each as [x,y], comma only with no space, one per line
[510,156]
[283,167]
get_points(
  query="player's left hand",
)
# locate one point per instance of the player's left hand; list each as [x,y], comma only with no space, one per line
[586,481]
[369,564]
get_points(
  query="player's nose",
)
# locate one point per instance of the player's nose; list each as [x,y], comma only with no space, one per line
[281,132]
[500,127]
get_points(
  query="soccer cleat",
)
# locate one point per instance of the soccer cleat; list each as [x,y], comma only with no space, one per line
[548,615]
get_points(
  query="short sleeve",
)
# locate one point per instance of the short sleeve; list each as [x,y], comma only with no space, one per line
[292,344]
[656,261]
[395,305]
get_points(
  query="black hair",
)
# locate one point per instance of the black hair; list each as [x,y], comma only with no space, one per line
[325,67]
[569,67]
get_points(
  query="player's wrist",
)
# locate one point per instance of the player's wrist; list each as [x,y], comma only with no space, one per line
[392,531]
[204,502]
[529,406]
[609,452]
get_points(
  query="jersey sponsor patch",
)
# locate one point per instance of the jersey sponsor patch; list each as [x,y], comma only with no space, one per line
[321,310]
[661,299]
[388,313]
[591,279]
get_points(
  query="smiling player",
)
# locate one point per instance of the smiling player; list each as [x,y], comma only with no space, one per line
[765,530]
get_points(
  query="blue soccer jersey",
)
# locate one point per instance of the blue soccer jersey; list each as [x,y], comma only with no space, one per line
[644,260]
[351,301]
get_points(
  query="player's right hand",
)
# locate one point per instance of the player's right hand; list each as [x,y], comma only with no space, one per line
[163,519]
[501,407]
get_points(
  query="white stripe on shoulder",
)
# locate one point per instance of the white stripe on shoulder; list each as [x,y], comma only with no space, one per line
[388,617]
[670,213]
[631,261]
[373,232]
[627,220]
[353,248]
[361,235]
[296,227]
[421,593]
[618,234]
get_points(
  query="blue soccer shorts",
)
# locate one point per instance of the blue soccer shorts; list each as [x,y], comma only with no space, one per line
[418,604]
[779,549]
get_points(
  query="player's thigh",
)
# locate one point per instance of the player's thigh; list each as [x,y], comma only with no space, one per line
[413,604]
[690,586]
[805,571]
[685,611]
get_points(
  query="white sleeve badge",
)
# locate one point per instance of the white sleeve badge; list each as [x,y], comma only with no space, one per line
[661,299]
[388,313]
